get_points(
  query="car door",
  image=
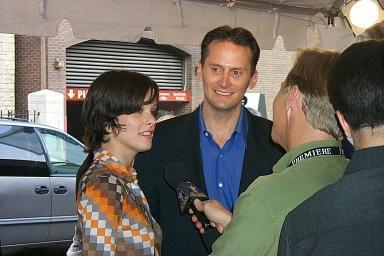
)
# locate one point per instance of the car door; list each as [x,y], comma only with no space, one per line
[65,156]
[25,195]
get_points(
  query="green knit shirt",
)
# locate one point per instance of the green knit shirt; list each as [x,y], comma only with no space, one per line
[260,211]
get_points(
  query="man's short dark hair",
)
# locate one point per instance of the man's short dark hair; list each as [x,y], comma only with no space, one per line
[111,94]
[356,84]
[239,36]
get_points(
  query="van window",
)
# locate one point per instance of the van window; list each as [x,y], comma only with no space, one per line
[66,155]
[21,152]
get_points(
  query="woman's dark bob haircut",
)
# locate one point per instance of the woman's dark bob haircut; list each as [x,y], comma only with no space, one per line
[111,94]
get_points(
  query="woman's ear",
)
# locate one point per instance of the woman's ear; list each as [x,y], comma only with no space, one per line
[108,129]
[111,132]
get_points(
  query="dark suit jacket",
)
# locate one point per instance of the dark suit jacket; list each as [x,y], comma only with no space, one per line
[346,218]
[177,139]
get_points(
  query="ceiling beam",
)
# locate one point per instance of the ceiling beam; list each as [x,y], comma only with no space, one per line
[266,6]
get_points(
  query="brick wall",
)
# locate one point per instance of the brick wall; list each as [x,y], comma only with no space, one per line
[56,51]
[28,63]
[7,72]
[192,83]
[34,64]
[273,66]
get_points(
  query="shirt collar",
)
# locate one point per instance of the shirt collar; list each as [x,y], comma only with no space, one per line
[114,164]
[241,126]
[202,127]
[286,159]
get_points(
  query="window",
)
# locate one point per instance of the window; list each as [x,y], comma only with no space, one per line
[65,154]
[21,152]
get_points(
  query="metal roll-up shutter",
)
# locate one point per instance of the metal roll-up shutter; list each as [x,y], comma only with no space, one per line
[85,61]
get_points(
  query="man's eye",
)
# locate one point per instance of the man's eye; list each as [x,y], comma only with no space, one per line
[237,73]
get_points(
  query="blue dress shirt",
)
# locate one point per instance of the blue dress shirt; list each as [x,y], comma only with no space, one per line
[222,167]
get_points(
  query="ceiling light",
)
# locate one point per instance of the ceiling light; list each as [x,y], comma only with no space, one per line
[362,14]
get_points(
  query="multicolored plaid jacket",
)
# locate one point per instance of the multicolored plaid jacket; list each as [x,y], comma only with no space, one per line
[113,214]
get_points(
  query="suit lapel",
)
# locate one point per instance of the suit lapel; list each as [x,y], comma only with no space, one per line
[252,156]
[250,159]
[188,144]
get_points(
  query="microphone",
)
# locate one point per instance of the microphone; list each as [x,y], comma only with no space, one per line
[176,176]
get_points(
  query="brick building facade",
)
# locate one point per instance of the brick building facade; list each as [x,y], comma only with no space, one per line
[7,73]
[35,69]
[29,60]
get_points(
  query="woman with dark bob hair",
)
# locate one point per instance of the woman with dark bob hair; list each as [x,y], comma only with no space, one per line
[113,213]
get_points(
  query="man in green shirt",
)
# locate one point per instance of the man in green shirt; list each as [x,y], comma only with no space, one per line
[305,126]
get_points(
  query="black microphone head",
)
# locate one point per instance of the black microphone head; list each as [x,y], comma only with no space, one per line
[177,177]
[174,173]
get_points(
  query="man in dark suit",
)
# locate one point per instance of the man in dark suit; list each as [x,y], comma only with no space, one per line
[222,145]
[347,218]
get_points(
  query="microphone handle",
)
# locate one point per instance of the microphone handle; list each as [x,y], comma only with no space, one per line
[201,217]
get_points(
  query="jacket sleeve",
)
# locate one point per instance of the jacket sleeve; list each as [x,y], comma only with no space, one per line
[100,211]
[285,239]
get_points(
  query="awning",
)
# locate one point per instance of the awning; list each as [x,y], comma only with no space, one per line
[171,21]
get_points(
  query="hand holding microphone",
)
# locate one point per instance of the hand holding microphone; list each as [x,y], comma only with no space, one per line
[193,199]
[177,177]
[218,215]
[204,211]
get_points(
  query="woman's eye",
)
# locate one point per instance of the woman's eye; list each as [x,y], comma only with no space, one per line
[154,112]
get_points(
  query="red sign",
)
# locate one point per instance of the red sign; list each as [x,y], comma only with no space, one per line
[174,96]
[76,93]
[79,94]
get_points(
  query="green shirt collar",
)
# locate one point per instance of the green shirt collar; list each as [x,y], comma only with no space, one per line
[285,160]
